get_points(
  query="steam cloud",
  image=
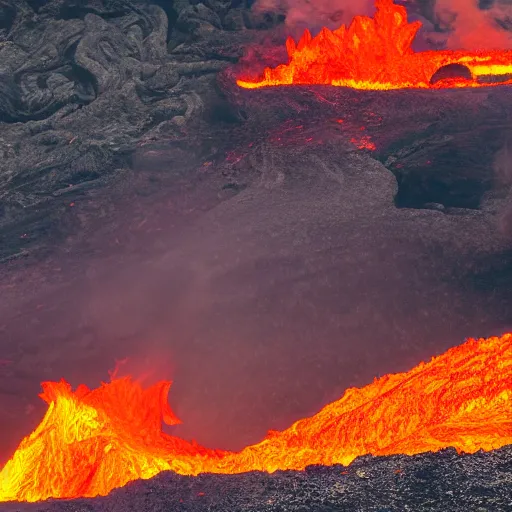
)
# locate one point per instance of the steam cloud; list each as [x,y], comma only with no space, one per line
[316,13]
[466,24]
[503,171]
[470,27]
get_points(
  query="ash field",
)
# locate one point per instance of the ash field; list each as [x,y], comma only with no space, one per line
[265,249]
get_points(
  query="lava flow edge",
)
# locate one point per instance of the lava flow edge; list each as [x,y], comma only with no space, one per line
[93,441]
[376,54]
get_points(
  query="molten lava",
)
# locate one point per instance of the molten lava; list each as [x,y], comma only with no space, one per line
[92,441]
[376,53]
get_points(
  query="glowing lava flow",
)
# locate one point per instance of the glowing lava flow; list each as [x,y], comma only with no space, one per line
[92,441]
[376,53]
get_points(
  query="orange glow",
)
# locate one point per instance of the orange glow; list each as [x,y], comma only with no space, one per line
[364,143]
[92,441]
[376,53]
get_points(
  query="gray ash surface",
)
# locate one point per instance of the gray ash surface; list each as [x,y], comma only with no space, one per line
[440,482]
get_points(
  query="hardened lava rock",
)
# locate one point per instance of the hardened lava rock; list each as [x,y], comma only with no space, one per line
[432,482]
[83,83]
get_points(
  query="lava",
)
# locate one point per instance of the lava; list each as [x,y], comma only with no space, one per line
[376,53]
[92,441]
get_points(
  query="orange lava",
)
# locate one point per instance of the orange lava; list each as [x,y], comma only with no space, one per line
[376,53]
[92,441]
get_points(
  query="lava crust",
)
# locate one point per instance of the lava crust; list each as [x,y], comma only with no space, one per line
[445,481]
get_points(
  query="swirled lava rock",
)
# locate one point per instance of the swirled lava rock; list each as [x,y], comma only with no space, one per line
[92,441]
[376,53]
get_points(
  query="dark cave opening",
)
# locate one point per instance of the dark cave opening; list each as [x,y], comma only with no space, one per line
[418,191]
[451,71]
[454,168]
[456,176]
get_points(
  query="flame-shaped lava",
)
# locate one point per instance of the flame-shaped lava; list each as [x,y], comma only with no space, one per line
[92,441]
[376,53]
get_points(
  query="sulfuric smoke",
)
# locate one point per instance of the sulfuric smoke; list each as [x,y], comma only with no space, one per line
[473,25]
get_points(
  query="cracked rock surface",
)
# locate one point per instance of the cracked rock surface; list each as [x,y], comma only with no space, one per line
[83,83]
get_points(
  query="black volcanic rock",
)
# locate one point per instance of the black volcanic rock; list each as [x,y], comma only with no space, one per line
[82,83]
[433,482]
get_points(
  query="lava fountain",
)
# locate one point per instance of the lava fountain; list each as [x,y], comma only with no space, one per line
[376,53]
[92,441]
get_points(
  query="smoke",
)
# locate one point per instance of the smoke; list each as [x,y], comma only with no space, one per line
[503,173]
[470,27]
[316,13]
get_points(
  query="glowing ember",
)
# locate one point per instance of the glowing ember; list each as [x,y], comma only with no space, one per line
[92,441]
[376,53]
[364,143]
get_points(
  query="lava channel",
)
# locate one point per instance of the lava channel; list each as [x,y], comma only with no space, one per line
[92,441]
[376,53]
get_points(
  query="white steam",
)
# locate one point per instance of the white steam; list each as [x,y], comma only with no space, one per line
[468,26]
[503,173]
[471,28]
[316,13]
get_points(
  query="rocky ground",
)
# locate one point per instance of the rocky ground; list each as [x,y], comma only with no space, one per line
[266,249]
[444,481]
[83,84]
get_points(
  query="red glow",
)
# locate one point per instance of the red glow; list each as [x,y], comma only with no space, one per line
[364,143]
[92,441]
[376,53]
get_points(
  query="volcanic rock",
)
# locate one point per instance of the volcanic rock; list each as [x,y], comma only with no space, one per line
[307,251]
[82,84]
[445,481]
[283,244]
